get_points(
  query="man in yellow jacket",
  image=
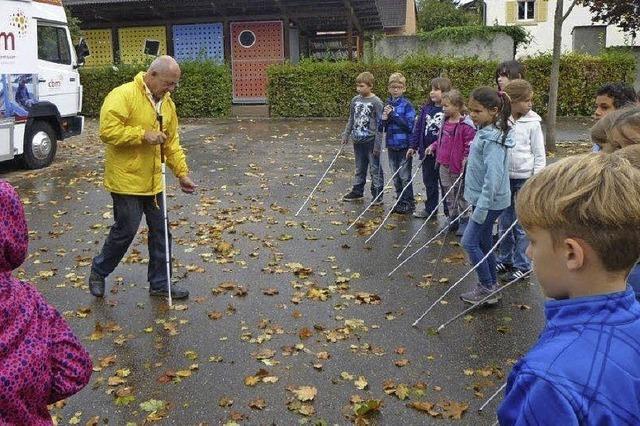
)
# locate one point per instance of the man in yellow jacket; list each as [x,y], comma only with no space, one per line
[130,128]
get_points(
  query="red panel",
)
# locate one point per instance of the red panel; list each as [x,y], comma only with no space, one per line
[249,64]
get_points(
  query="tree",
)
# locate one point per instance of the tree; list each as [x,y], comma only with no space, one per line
[434,14]
[625,14]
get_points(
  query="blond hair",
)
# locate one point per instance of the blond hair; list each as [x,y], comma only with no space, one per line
[631,153]
[617,129]
[518,90]
[457,100]
[593,197]
[397,78]
[365,78]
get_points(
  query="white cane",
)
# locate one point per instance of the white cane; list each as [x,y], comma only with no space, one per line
[395,204]
[167,251]
[320,181]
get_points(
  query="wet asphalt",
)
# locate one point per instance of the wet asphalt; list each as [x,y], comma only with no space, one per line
[240,229]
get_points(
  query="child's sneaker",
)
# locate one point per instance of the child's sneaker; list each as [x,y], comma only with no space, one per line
[515,274]
[503,270]
[479,293]
[401,209]
[352,196]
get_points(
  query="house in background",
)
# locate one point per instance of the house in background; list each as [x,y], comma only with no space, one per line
[579,32]
[399,17]
[248,34]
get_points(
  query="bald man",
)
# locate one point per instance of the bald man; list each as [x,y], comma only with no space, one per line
[136,119]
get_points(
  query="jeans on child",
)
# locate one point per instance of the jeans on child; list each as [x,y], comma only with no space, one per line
[512,250]
[634,280]
[477,241]
[431,180]
[365,160]
[455,200]
[396,158]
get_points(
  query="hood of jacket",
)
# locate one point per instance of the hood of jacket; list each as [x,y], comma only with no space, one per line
[494,134]
[529,117]
[14,237]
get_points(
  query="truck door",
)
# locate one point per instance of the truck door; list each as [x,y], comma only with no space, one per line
[58,78]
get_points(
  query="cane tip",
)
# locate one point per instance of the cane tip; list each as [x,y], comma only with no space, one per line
[439,329]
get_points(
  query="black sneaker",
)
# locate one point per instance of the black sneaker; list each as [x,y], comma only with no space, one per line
[516,274]
[503,270]
[96,284]
[401,209]
[352,196]
[177,293]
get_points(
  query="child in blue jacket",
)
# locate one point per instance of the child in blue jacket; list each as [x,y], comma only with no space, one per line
[398,118]
[486,186]
[582,217]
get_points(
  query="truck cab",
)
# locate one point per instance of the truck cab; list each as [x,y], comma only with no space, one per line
[40,90]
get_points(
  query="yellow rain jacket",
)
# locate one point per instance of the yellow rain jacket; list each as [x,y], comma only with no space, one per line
[132,166]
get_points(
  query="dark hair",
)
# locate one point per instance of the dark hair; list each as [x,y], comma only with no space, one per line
[510,69]
[491,98]
[622,94]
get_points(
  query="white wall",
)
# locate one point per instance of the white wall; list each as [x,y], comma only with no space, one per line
[543,31]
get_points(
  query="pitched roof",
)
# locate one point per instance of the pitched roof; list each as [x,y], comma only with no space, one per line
[393,13]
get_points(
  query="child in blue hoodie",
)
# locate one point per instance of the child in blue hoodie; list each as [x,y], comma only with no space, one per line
[425,133]
[398,118]
[486,185]
[582,217]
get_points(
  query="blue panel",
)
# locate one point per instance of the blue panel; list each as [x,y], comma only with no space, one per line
[198,41]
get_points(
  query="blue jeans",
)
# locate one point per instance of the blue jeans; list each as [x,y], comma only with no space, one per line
[431,180]
[365,160]
[396,157]
[634,280]
[512,250]
[127,213]
[477,241]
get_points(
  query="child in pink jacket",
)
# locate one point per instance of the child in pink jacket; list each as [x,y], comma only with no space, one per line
[41,361]
[452,150]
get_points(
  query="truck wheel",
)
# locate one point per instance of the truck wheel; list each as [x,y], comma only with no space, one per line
[40,145]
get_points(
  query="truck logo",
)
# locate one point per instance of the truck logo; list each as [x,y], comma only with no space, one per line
[6,38]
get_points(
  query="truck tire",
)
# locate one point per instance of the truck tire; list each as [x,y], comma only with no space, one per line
[40,145]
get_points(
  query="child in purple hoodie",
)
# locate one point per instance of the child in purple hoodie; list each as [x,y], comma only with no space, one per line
[41,361]
[452,150]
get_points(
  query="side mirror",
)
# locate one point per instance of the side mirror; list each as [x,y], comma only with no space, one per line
[82,51]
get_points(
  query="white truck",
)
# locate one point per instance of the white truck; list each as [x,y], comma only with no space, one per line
[40,90]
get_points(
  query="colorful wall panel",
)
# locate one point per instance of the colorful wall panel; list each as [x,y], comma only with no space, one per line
[198,41]
[254,46]
[101,47]
[133,39]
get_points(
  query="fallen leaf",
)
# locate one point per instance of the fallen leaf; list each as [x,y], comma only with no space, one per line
[305,393]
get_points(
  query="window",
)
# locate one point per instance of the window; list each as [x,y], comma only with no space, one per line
[53,45]
[526,10]
[247,39]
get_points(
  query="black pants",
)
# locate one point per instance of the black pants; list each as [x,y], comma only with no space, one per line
[127,212]
[431,180]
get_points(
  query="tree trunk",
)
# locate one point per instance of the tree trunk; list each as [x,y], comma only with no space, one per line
[555,77]
[558,20]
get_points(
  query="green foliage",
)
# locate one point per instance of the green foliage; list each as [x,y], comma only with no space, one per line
[460,35]
[205,87]
[74,26]
[323,89]
[434,14]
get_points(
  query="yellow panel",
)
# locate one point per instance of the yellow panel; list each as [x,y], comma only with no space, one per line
[512,12]
[132,41]
[541,10]
[100,46]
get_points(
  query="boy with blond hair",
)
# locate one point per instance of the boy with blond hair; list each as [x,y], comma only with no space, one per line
[398,118]
[365,114]
[582,217]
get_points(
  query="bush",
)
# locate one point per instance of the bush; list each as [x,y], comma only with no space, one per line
[324,89]
[205,87]
[462,35]
[434,14]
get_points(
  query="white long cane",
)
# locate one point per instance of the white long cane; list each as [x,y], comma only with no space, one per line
[167,251]
[415,324]
[395,204]
[430,215]
[320,181]
[379,194]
